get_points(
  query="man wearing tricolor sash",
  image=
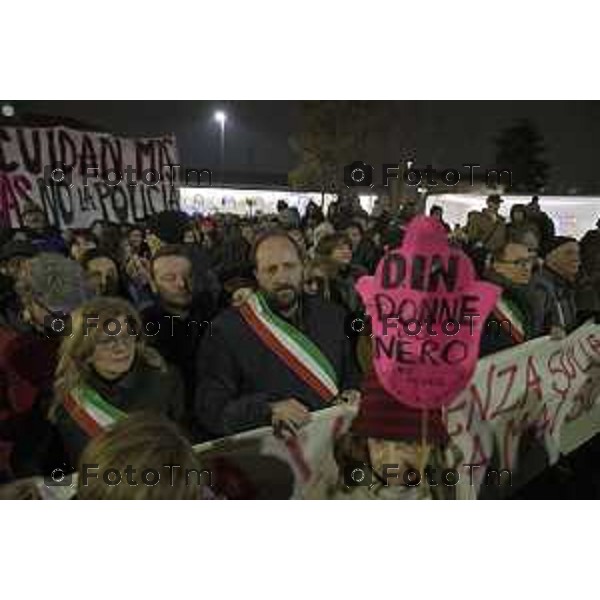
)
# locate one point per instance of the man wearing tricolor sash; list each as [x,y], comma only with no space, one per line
[510,322]
[278,356]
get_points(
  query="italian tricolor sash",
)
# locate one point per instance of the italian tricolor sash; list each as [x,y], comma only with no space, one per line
[506,310]
[298,352]
[90,411]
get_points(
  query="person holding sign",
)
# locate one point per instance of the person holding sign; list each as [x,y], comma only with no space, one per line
[427,312]
[278,356]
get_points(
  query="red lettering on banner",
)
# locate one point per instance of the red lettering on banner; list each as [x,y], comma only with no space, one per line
[594,343]
[511,370]
[544,423]
[565,361]
[571,350]
[478,456]
[446,418]
[533,380]
[10,190]
[549,417]
[553,370]
[476,398]
[514,430]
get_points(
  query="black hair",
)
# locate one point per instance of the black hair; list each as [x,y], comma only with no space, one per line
[94,253]
[170,250]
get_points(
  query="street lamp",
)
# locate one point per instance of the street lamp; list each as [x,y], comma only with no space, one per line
[221,117]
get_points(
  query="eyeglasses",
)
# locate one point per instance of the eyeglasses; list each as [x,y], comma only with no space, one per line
[106,342]
[520,262]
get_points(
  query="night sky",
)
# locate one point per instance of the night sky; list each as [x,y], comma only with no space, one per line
[447,133]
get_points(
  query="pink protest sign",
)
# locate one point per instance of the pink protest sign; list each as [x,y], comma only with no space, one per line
[428,312]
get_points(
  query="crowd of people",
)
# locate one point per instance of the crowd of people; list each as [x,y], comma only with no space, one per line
[146,339]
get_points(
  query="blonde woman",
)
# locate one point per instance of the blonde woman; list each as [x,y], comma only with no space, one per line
[105,371]
[143,457]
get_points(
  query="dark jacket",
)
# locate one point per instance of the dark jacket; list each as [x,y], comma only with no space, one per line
[343,290]
[238,376]
[177,339]
[27,364]
[496,336]
[144,388]
[382,416]
[553,299]
[366,255]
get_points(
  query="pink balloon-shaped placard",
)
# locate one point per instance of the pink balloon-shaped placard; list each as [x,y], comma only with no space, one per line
[427,312]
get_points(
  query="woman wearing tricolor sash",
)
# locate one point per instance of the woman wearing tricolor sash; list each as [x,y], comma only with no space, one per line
[106,371]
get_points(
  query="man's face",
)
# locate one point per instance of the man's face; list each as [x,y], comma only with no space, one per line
[103,275]
[279,272]
[172,280]
[354,235]
[315,282]
[516,264]
[565,260]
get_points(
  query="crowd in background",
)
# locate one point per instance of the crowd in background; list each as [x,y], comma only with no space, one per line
[175,286]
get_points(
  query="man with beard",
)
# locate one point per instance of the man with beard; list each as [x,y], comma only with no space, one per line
[177,320]
[278,356]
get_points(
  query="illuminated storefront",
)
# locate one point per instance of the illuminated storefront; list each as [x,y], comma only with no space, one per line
[572,215]
[242,202]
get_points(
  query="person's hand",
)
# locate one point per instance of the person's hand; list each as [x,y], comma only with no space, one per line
[240,296]
[22,489]
[138,270]
[351,397]
[289,415]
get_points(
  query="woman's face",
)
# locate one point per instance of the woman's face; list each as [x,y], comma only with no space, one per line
[314,282]
[115,348]
[342,254]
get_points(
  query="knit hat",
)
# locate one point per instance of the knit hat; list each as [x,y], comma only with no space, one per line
[58,283]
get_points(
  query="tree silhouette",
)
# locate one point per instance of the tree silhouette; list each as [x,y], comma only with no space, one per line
[332,134]
[519,148]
